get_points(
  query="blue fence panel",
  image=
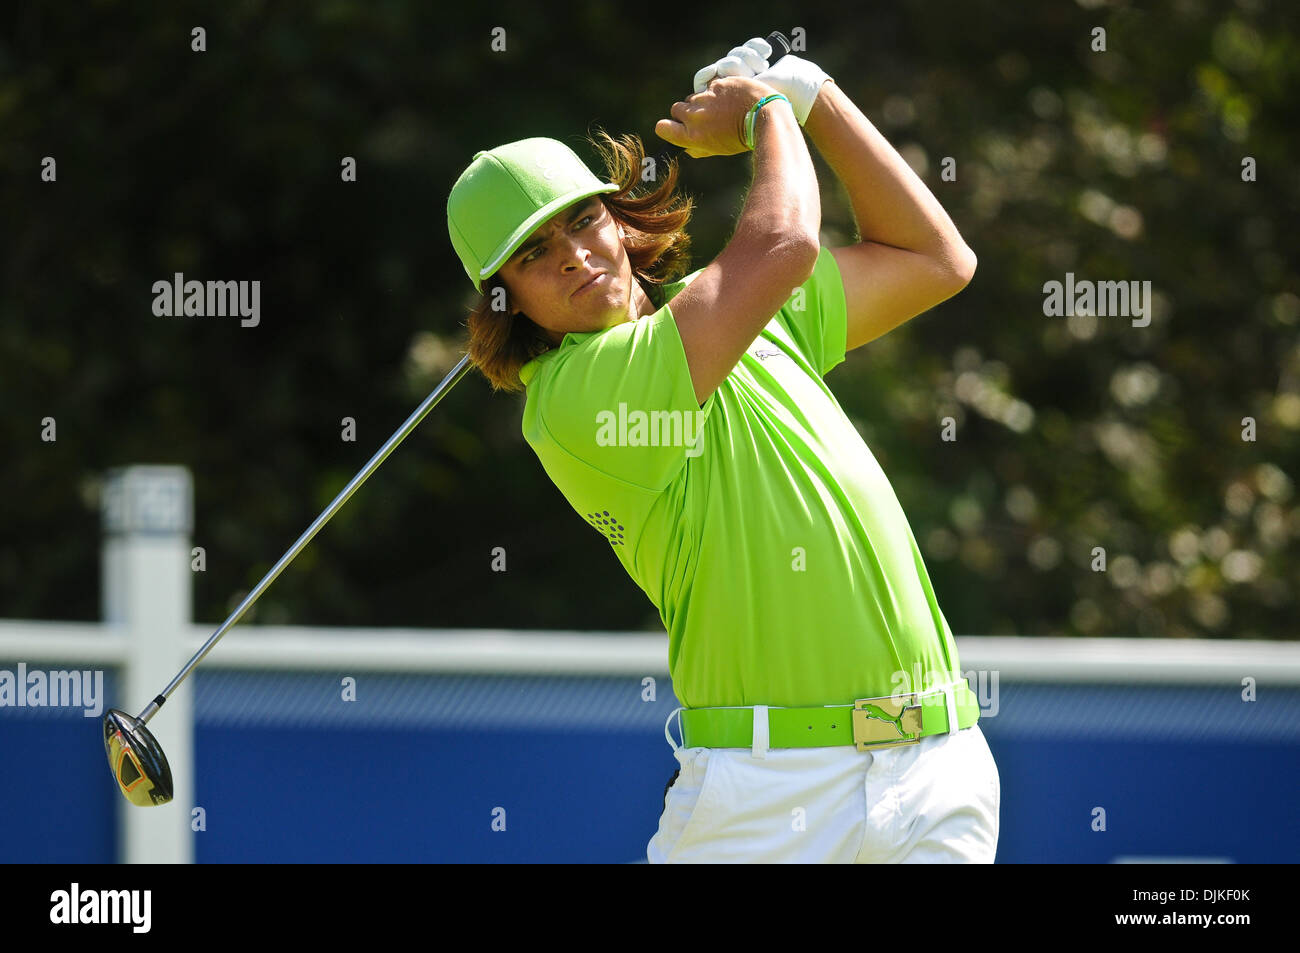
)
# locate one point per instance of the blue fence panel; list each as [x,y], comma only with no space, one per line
[418,768]
[57,797]
[1190,772]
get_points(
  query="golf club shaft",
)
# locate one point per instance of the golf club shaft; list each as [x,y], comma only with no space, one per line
[450,381]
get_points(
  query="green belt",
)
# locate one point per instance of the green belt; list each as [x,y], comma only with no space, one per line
[868,722]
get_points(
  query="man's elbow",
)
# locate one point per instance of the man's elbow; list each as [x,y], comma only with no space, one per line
[954,269]
[962,262]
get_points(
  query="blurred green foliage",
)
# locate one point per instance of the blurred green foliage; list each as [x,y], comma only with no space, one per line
[1072,432]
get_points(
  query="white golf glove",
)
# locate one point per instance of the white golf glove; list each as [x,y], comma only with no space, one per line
[799,80]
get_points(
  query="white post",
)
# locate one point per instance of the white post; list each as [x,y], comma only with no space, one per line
[148,513]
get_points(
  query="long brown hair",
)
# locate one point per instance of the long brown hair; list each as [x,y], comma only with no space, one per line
[654,222]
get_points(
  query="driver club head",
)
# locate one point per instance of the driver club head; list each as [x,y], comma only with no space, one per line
[136,759]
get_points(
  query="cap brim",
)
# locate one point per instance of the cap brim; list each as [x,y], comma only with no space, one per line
[520,234]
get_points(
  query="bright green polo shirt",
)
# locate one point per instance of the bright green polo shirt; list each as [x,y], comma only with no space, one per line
[760,525]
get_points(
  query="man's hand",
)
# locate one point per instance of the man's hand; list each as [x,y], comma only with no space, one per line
[711,123]
[799,80]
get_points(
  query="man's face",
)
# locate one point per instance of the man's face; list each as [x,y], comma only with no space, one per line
[544,276]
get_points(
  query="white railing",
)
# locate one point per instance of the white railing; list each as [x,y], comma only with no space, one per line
[554,652]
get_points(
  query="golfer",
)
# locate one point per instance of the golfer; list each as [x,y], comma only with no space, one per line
[686,419]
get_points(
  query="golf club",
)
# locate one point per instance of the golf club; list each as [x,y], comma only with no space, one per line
[134,756]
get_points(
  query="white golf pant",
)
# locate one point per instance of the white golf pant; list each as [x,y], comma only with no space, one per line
[936,801]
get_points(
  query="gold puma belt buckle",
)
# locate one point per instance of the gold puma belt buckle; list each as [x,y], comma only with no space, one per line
[886,722]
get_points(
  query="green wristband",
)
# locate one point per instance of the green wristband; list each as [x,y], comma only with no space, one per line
[752,116]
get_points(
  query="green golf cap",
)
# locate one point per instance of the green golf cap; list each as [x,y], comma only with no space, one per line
[506,193]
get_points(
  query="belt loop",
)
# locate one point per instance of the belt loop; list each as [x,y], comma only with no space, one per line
[667,732]
[950,700]
[759,743]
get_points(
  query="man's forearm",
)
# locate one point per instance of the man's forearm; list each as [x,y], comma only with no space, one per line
[891,204]
[783,193]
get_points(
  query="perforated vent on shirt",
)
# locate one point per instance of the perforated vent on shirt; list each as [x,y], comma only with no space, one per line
[608,526]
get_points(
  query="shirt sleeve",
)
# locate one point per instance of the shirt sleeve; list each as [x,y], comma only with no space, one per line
[623,402]
[816,317]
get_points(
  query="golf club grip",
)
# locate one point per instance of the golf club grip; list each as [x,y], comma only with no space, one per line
[779,44]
